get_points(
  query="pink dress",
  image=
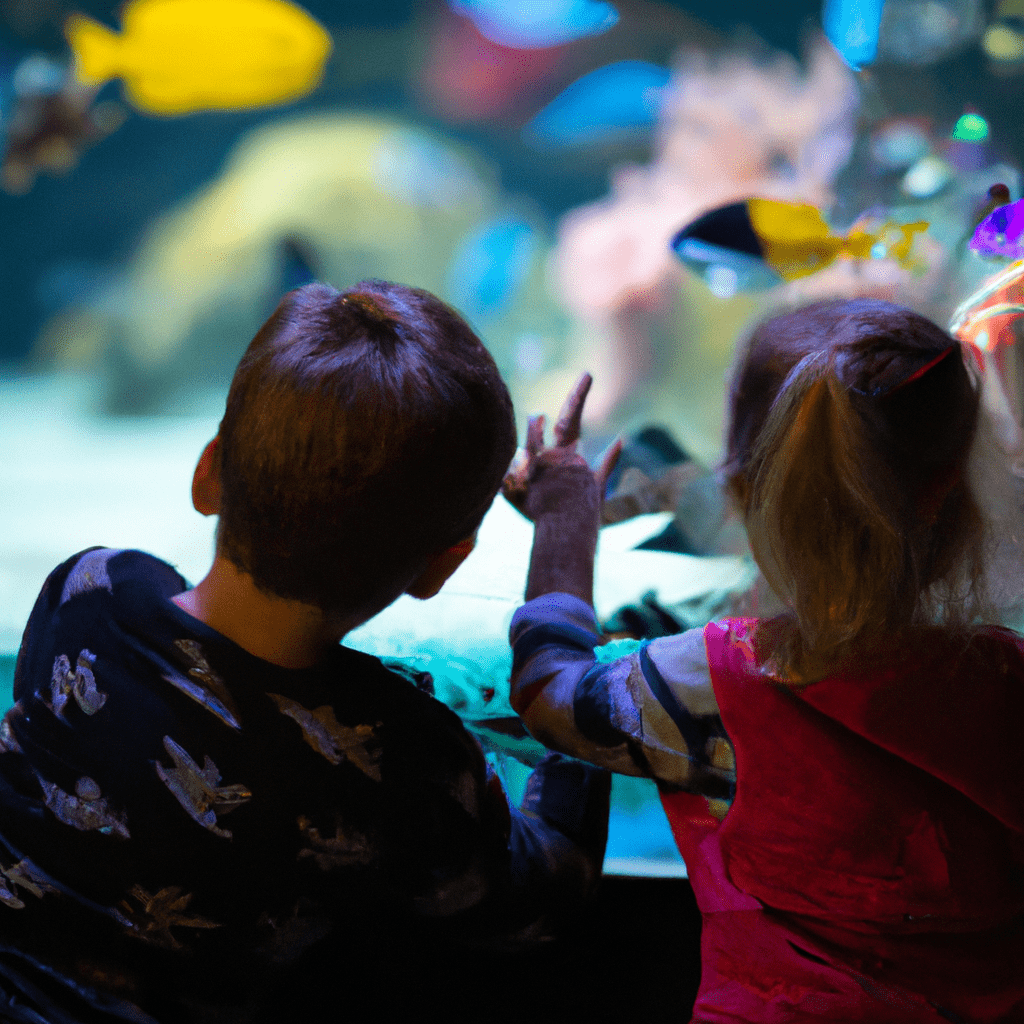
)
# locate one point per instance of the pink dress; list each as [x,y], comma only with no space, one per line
[871,867]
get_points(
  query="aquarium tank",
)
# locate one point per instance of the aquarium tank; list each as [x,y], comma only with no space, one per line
[169,170]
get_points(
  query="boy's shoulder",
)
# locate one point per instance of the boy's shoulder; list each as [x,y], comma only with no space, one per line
[98,585]
[110,592]
[405,698]
[98,569]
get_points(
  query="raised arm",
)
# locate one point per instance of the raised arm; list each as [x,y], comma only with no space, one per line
[555,488]
[651,713]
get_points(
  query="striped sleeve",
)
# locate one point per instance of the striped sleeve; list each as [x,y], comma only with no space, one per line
[651,713]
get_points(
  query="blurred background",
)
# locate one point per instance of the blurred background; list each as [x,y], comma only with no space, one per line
[527,160]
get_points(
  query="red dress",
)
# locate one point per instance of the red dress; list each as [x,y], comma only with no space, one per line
[871,867]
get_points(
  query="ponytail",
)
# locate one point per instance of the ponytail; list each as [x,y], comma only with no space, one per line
[828,533]
[852,485]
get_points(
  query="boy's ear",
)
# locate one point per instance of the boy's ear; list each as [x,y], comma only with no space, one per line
[440,567]
[206,481]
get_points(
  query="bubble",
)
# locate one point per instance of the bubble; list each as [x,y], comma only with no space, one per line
[929,176]
[1003,42]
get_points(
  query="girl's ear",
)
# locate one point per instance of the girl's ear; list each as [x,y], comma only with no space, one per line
[206,481]
[440,567]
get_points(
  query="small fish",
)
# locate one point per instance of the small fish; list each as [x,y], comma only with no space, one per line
[155,915]
[21,876]
[986,319]
[203,685]
[1001,232]
[87,810]
[759,243]
[491,265]
[179,56]
[80,684]
[54,119]
[987,322]
[339,850]
[90,573]
[198,790]
[537,24]
[327,736]
[609,104]
[8,741]
[853,28]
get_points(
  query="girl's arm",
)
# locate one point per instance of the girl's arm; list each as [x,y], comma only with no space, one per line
[651,713]
[555,488]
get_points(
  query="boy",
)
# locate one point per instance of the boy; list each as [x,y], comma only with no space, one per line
[197,786]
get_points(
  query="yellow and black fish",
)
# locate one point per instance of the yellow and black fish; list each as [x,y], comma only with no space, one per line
[759,243]
[180,56]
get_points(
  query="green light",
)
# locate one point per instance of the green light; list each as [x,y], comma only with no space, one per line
[971,128]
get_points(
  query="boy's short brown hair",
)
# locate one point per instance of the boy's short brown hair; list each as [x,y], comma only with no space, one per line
[365,432]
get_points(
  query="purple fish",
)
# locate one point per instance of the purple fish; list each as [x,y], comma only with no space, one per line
[1001,233]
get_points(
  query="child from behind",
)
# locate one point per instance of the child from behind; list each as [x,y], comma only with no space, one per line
[197,786]
[845,780]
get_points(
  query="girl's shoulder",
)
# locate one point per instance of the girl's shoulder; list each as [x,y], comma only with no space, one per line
[972,659]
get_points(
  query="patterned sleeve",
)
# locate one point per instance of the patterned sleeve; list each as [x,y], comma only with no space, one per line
[650,713]
[558,834]
[496,866]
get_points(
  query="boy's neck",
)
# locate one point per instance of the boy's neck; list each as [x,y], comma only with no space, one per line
[286,633]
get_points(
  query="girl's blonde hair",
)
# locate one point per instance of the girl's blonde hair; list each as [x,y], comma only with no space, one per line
[850,427]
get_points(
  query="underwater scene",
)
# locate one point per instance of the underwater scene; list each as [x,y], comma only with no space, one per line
[621,188]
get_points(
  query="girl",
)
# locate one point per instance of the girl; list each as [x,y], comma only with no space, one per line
[845,780]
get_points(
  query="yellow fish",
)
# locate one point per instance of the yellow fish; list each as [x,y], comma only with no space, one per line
[760,242]
[180,56]
[797,241]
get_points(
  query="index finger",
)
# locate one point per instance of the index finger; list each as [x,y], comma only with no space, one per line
[567,429]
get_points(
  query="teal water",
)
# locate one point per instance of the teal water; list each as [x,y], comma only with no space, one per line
[6,680]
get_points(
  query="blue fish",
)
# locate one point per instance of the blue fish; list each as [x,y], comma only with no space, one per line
[852,27]
[537,24]
[490,267]
[614,100]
